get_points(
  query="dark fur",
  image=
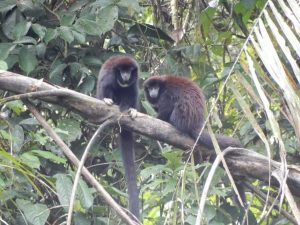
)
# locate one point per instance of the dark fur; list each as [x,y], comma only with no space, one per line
[181,103]
[125,97]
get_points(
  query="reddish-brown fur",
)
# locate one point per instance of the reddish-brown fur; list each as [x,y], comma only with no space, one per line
[118,60]
[182,103]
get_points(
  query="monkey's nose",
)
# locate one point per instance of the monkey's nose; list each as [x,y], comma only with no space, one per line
[125,76]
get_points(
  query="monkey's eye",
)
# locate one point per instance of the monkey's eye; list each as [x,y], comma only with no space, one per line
[134,72]
[118,72]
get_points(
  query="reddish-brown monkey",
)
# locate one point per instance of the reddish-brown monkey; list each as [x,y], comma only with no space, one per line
[180,102]
[117,83]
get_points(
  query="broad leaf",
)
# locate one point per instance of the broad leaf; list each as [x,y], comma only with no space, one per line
[27,59]
[36,214]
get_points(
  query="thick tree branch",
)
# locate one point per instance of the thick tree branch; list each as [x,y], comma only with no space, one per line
[241,162]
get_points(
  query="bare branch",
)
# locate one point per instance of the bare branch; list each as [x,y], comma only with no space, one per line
[241,162]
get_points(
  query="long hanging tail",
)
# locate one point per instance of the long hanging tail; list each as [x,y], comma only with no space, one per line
[126,145]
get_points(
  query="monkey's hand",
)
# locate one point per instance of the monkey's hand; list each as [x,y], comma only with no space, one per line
[132,113]
[108,101]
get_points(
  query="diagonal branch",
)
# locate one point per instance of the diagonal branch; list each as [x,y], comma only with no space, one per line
[88,176]
[241,162]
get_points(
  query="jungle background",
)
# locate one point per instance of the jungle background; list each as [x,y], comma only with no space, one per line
[217,44]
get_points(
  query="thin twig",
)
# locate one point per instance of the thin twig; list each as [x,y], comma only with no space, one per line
[208,182]
[271,201]
[287,193]
[81,164]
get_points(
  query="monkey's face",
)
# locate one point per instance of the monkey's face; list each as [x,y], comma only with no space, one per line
[126,75]
[153,90]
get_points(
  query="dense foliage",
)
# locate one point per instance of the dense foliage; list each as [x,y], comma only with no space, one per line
[65,43]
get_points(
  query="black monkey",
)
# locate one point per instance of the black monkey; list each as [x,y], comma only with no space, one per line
[117,83]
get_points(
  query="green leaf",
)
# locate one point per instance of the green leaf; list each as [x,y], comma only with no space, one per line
[131,5]
[107,17]
[153,171]
[5,49]
[64,186]
[174,158]
[150,31]
[85,195]
[5,135]
[71,128]
[79,36]
[50,35]
[88,26]
[66,34]
[11,60]
[16,106]
[248,4]
[27,59]
[30,160]
[82,219]
[36,214]
[10,22]
[67,19]
[206,18]
[21,29]
[25,40]
[147,106]
[40,50]
[17,133]
[88,85]
[39,30]
[104,3]
[29,121]
[56,74]
[3,65]
[49,155]
[6,5]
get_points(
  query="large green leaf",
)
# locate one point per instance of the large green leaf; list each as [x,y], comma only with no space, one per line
[150,31]
[87,85]
[66,33]
[49,155]
[30,160]
[56,73]
[36,214]
[39,30]
[6,5]
[27,59]
[85,194]
[21,29]
[88,26]
[5,49]
[64,186]
[3,65]
[50,35]
[70,129]
[17,133]
[107,18]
